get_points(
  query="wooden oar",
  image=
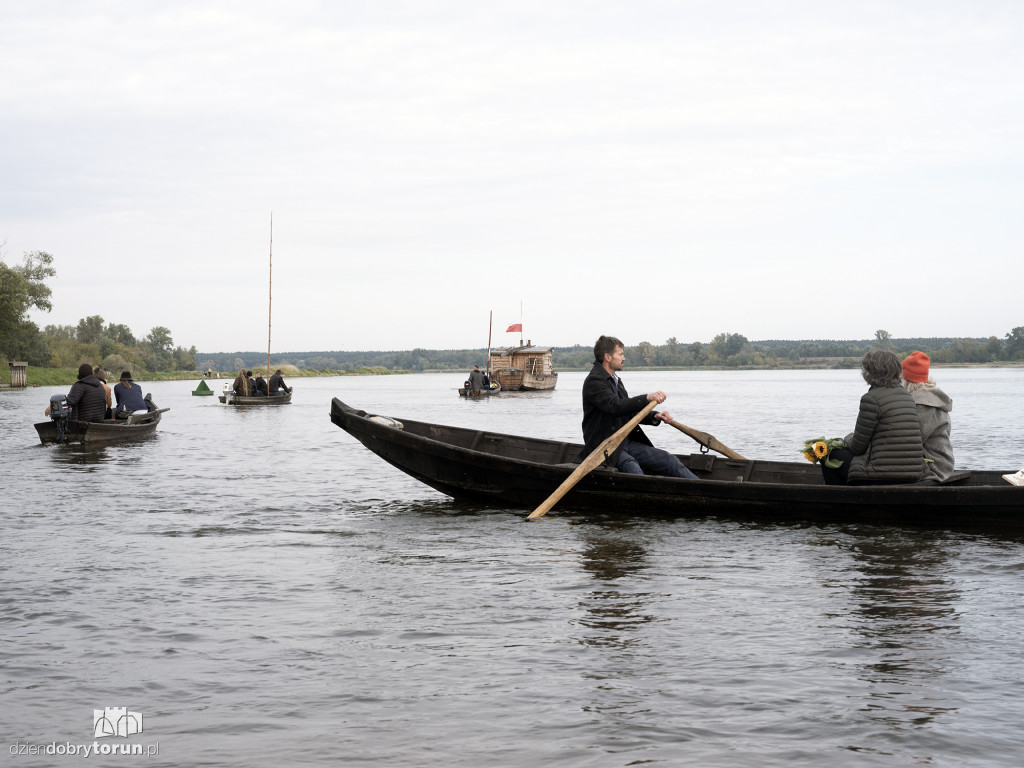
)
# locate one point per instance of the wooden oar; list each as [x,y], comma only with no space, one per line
[707,440]
[593,461]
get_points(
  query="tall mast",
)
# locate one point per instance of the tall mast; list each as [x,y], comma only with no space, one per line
[490,325]
[270,289]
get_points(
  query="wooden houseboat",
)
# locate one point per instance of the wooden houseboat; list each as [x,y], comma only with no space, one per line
[525,367]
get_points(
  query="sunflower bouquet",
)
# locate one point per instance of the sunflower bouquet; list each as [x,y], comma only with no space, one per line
[820,449]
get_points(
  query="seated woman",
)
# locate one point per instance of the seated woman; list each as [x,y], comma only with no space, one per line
[129,397]
[241,384]
[885,446]
[933,408]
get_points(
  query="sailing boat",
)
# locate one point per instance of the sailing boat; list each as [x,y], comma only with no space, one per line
[229,397]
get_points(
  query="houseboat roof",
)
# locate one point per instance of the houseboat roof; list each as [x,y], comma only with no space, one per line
[525,350]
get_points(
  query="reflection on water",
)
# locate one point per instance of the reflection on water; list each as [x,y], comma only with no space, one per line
[906,611]
[613,611]
[88,456]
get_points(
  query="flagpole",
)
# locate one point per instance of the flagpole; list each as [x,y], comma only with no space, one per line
[490,326]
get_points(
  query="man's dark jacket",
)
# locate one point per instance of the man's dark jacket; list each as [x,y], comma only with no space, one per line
[88,398]
[606,407]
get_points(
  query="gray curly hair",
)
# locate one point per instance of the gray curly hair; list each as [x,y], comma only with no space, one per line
[881,368]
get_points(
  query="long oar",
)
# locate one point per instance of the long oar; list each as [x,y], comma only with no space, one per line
[593,461]
[707,440]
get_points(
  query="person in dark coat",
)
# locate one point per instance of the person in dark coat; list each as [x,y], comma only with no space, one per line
[607,407]
[129,397]
[885,446]
[260,387]
[476,380]
[87,396]
[277,385]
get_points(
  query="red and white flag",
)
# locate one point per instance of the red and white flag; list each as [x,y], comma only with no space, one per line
[515,327]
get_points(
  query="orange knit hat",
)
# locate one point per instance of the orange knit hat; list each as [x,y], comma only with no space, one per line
[915,367]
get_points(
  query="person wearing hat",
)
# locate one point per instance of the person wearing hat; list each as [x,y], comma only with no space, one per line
[86,396]
[933,409]
[129,397]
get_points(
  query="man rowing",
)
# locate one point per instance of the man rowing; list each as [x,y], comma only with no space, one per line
[607,406]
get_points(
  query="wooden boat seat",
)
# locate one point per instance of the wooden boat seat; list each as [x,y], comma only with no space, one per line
[702,464]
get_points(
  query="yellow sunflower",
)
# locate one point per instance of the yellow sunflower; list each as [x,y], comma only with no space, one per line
[820,449]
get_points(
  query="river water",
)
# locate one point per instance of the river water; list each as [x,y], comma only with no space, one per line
[263,591]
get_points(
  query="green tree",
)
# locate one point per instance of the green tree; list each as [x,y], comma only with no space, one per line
[727,345]
[994,348]
[883,339]
[184,359]
[159,349]
[22,288]
[90,329]
[60,331]
[647,353]
[1014,349]
[120,333]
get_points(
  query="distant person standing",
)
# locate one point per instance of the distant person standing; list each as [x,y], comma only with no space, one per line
[933,409]
[476,380]
[277,385]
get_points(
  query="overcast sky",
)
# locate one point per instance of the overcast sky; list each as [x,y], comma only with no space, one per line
[644,169]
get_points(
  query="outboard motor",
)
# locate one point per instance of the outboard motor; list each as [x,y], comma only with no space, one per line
[60,412]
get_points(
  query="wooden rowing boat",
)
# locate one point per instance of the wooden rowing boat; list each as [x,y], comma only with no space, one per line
[230,398]
[521,472]
[106,431]
[492,389]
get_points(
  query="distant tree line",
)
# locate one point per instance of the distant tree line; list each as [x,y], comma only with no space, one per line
[115,347]
[726,350]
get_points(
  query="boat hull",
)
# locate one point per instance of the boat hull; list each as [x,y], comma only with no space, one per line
[521,472]
[239,400]
[494,389]
[539,383]
[107,431]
